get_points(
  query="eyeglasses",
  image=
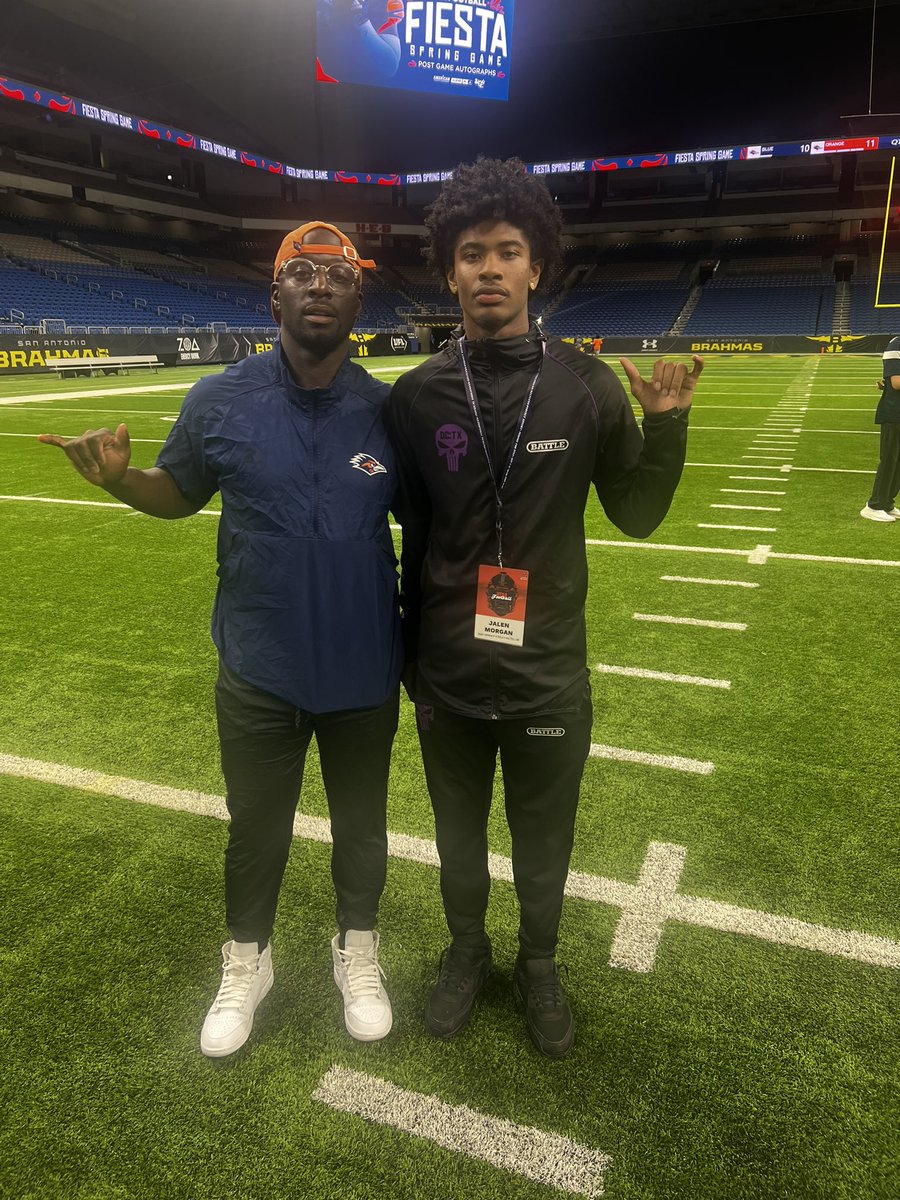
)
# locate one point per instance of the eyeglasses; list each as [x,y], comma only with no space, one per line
[341,276]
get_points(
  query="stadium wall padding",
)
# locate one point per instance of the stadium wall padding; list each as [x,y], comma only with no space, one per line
[28,353]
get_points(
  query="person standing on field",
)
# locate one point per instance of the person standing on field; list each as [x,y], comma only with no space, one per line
[882,504]
[305,618]
[499,438]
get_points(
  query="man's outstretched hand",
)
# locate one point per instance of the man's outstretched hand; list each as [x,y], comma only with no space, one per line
[670,386]
[99,456]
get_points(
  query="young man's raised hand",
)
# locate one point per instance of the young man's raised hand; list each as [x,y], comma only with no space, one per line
[670,385]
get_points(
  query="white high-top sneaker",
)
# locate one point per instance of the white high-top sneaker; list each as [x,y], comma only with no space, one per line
[358,974]
[247,977]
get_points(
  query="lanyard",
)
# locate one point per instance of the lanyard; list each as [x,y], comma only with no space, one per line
[476,413]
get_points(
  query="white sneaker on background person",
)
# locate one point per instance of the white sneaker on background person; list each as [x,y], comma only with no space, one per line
[878,514]
[247,977]
[894,512]
[358,975]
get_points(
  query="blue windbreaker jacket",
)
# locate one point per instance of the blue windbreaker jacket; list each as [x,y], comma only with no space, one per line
[306,607]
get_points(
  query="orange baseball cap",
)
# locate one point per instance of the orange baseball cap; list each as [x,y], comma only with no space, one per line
[291,247]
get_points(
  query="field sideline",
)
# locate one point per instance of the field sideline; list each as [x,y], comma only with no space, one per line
[732,933]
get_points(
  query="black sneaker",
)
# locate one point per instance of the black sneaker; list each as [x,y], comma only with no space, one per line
[547,1012]
[462,973]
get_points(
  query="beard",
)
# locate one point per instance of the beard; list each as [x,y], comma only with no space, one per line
[319,341]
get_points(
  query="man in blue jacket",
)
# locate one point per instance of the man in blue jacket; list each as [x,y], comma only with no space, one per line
[305,617]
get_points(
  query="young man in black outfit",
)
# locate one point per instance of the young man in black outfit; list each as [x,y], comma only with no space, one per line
[882,504]
[498,438]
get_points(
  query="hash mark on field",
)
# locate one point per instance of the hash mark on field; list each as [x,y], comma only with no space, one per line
[641,924]
[748,507]
[691,910]
[753,491]
[546,1158]
[672,762]
[740,528]
[720,582]
[662,676]
[740,626]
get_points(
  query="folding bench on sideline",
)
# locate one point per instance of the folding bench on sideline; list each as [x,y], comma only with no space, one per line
[107,364]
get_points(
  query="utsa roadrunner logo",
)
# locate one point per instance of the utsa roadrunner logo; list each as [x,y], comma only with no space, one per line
[366,462]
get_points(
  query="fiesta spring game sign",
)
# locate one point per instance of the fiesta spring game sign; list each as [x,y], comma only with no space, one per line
[456,47]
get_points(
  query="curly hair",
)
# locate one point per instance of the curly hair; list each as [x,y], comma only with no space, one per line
[493,189]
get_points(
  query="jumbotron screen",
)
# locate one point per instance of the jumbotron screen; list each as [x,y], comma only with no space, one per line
[456,47]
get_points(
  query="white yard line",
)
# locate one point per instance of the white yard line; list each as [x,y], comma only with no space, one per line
[753,491]
[834,470]
[663,619]
[692,910]
[37,398]
[546,1158]
[662,676]
[203,512]
[716,582]
[34,437]
[752,556]
[611,543]
[786,467]
[130,412]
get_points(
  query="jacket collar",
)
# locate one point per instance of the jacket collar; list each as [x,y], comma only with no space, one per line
[306,396]
[503,354]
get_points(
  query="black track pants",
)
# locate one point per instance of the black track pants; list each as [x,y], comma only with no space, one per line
[887,477]
[542,760]
[263,743]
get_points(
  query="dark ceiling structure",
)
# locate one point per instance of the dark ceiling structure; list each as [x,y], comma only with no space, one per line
[588,77]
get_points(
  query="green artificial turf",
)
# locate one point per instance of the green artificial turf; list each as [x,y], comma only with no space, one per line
[735,1069]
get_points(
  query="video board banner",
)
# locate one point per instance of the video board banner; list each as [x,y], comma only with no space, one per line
[661,345]
[28,93]
[437,46]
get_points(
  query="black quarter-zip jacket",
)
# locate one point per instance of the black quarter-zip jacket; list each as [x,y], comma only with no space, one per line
[580,430]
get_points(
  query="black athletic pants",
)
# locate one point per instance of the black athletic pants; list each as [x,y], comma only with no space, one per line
[887,477]
[263,744]
[542,759]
